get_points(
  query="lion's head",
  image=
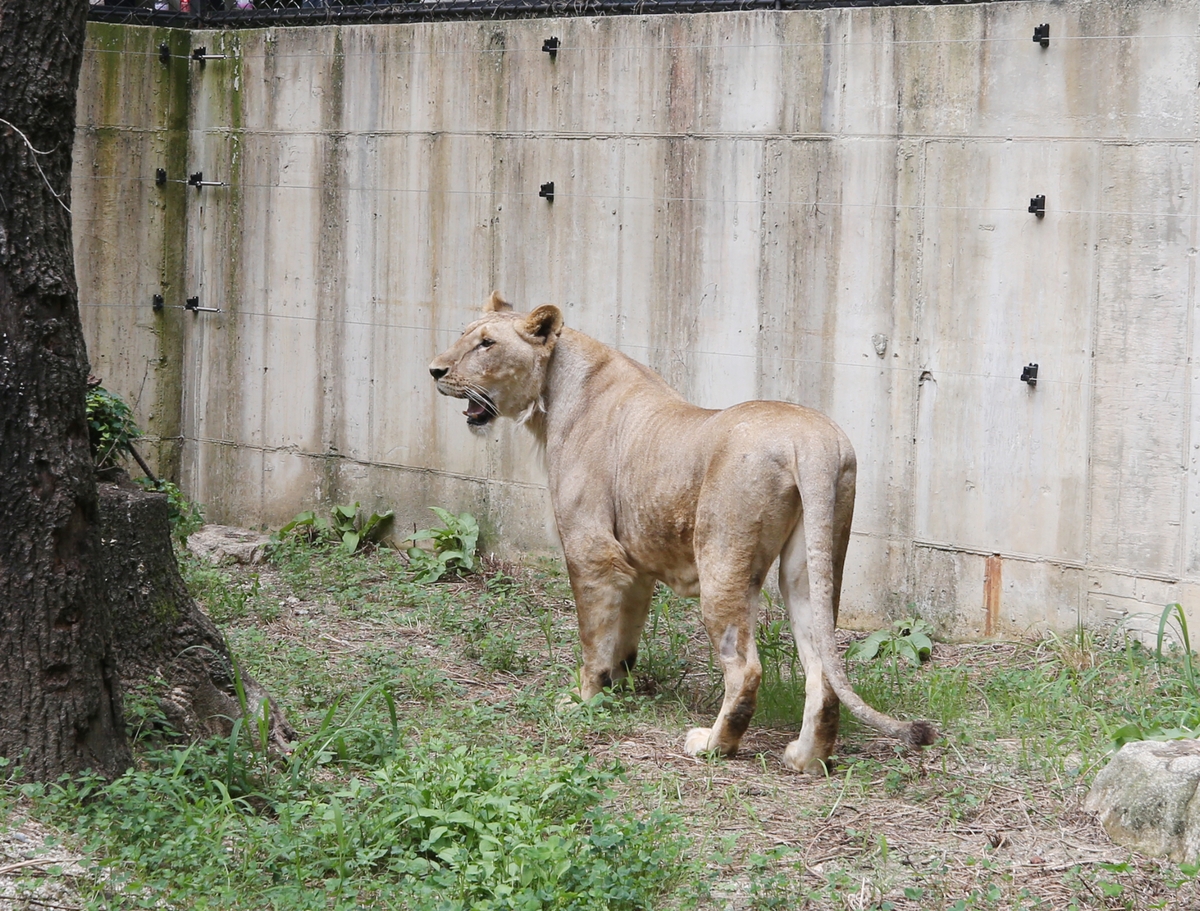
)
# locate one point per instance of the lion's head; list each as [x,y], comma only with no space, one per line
[499,363]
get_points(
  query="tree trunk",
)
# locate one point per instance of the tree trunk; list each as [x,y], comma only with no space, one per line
[59,707]
[66,556]
[166,648]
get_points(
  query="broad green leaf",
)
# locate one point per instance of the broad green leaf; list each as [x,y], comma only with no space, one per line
[868,648]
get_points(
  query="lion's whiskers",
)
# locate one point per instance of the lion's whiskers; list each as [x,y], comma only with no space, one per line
[480,396]
[477,391]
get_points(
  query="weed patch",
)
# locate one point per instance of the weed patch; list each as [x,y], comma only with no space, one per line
[436,826]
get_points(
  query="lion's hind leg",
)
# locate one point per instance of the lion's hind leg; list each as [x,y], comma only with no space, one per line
[810,751]
[730,618]
[746,511]
[828,514]
[729,606]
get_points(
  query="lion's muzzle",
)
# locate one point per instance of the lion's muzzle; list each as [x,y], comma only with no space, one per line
[480,408]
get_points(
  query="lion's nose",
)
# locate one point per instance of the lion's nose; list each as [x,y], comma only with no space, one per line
[438,372]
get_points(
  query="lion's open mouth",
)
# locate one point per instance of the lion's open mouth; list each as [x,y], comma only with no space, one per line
[478,412]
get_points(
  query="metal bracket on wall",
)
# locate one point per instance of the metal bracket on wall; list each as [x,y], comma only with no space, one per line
[547,191]
[202,54]
[164,53]
[1037,206]
[157,303]
[193,304]
[1041,34]
[160,177]
[1029,374]
[197,180]
[551,46]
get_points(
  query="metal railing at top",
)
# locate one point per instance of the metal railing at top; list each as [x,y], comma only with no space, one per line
[258,13]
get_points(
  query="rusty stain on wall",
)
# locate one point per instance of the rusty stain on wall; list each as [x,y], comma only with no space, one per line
[992,586]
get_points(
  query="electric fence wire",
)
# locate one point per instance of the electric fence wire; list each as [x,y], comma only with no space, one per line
[609,198]
[1122,390]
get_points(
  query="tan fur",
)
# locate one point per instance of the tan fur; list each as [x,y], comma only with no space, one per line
[649,488]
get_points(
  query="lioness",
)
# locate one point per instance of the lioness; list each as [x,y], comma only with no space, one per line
[647,487]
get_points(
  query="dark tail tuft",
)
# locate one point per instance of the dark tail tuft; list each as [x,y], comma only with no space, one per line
[920,734]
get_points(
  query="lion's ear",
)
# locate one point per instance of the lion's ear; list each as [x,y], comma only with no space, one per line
[545,323]
[496,303]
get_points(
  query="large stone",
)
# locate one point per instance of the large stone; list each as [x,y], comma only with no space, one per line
[1146,798]
[224,544]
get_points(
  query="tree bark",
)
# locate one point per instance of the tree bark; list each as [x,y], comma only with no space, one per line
[59,703]
[166,648]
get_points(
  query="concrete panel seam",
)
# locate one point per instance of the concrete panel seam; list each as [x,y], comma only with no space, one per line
[367,463]
[1126,573]
[991,552]
[713,135]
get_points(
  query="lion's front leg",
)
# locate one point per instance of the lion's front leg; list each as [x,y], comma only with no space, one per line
[612,602]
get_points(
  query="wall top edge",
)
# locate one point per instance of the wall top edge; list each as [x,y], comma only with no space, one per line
[438,10]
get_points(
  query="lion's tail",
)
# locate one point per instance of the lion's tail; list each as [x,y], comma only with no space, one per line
[826,532]
[912,733]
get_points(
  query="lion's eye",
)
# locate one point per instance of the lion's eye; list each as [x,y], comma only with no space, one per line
[486,342]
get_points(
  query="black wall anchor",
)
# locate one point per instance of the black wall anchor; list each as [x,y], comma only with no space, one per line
[551,46]
[1041,34]
[160,177]
[197,180]
[164,53]
[193,304]
[547,191]
[1037,205]
[1029,375]
[157,303]
[202,54]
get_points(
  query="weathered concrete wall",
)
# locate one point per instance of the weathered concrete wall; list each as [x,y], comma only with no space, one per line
[130,234]
[827,207]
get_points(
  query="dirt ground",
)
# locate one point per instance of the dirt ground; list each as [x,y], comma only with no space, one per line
[979,820]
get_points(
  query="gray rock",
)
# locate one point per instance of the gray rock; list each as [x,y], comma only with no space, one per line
[224,544]
[1146,798]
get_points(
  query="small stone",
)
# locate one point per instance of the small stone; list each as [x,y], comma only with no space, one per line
[224,544]
[1146,798]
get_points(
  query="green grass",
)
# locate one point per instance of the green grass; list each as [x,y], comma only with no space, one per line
[438,825]
[438,770]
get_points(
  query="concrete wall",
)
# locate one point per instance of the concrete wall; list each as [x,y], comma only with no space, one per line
[827,207]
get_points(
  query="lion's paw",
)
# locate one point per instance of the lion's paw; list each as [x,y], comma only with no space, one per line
[567,702]
[697,741]
[799,759]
